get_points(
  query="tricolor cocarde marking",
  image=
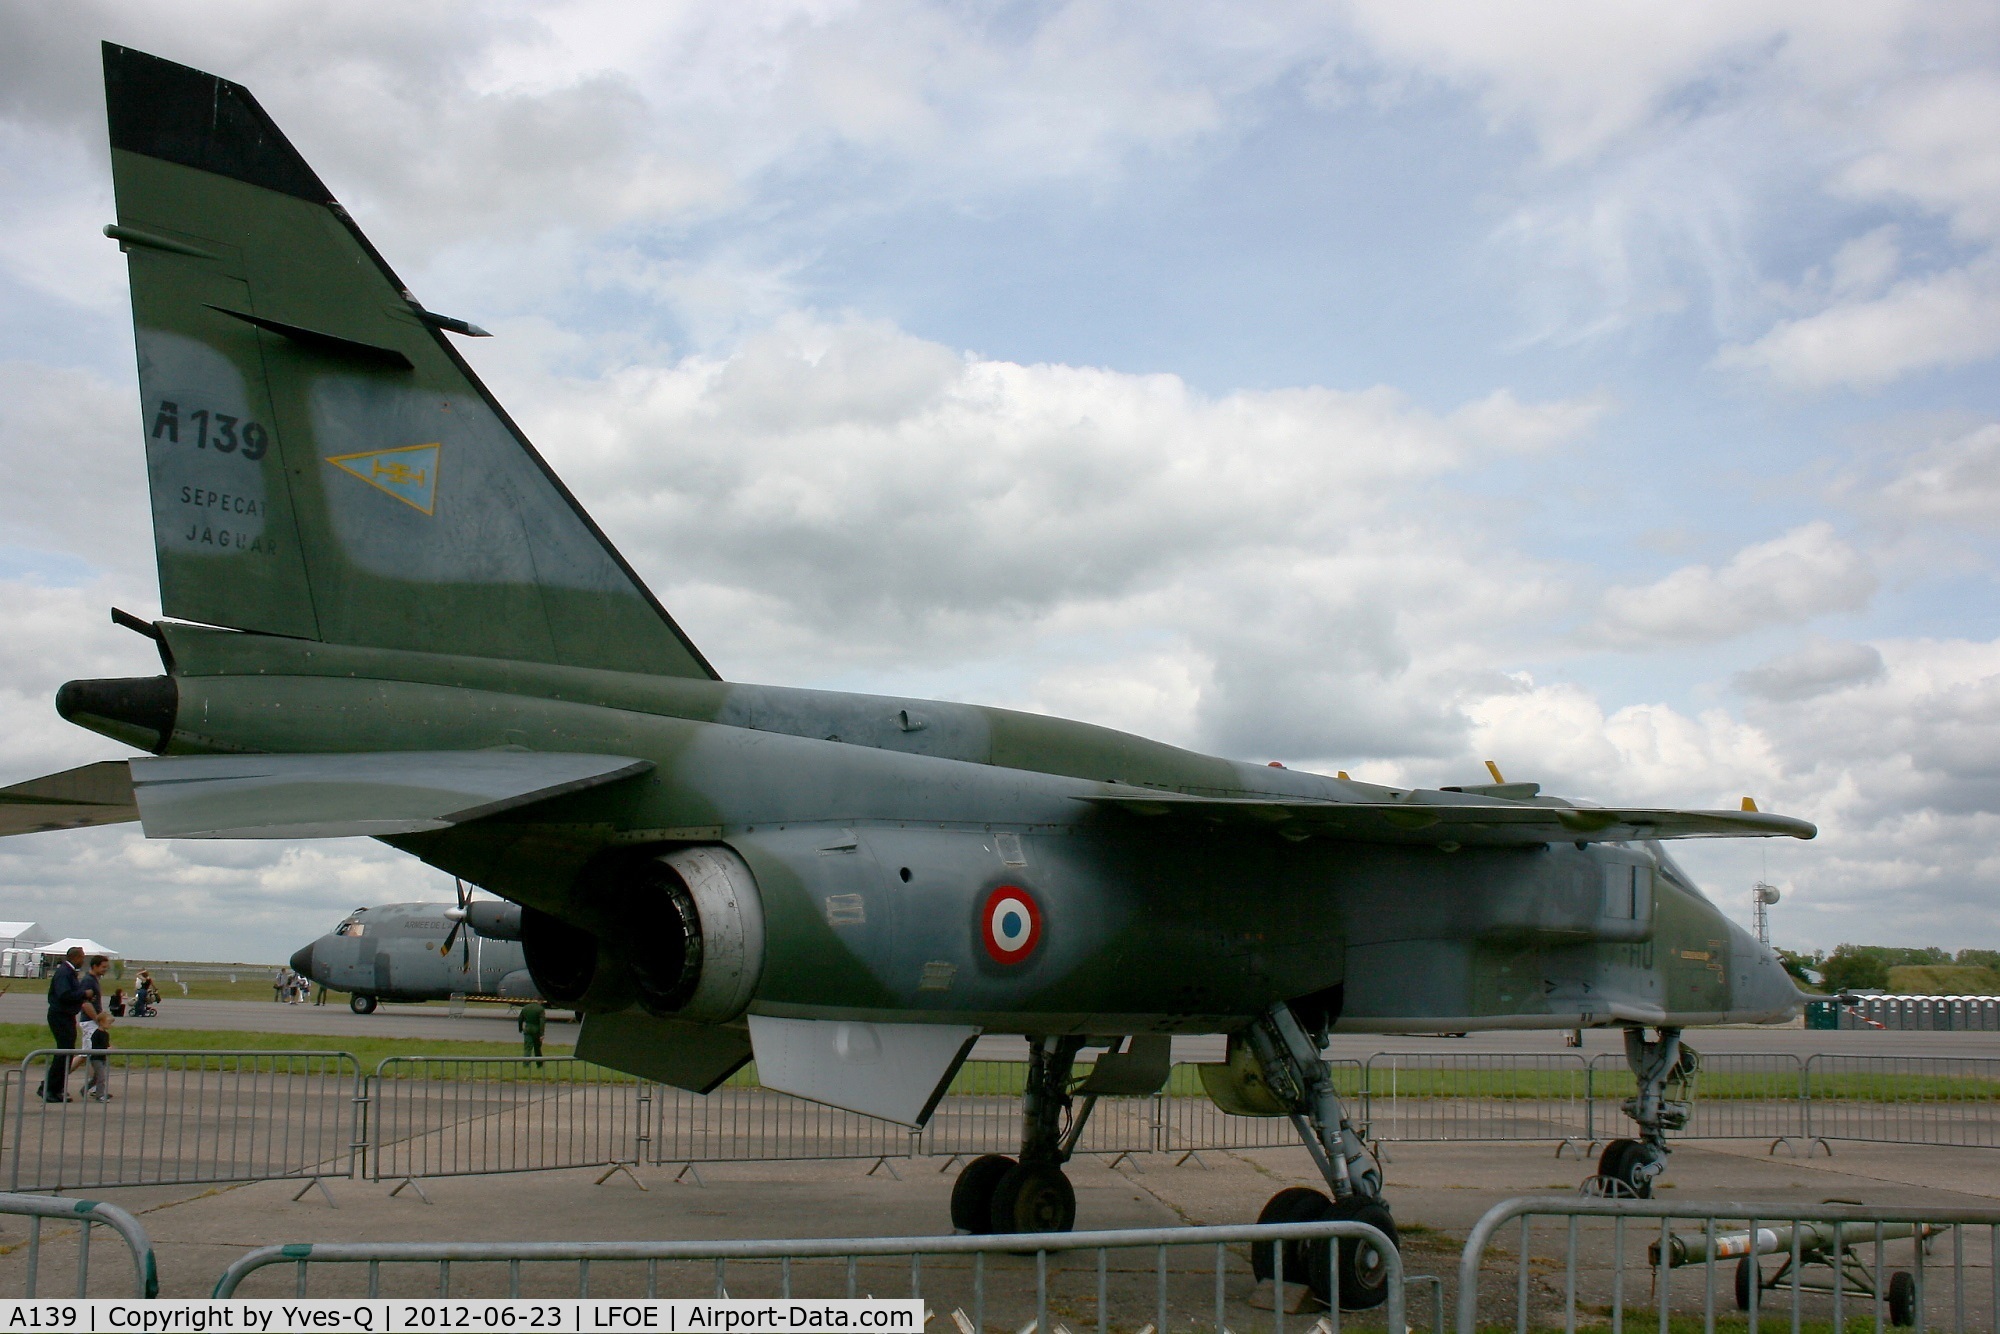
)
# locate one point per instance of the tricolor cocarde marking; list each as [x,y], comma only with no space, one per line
[1011,924]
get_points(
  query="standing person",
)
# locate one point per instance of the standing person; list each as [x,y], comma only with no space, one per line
[95,1028]
[65,999]
[278,985]
[532,1022]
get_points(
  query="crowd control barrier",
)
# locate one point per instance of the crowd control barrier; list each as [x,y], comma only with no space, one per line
[1414,1097]
[1174,1278]
[88,1215]
[1946,1100]
[436,1116]
[184,1117]
[1562,1261]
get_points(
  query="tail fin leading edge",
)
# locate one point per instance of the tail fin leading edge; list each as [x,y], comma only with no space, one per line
[323,463]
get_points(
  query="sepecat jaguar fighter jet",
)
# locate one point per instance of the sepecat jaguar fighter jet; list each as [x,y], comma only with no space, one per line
[386,617]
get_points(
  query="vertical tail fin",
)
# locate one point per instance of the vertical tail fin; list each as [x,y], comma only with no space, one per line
[323,463]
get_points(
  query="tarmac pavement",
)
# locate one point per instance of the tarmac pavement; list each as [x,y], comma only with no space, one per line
[1438,1191]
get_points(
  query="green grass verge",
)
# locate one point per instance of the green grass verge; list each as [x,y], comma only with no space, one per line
[1006,1079]
[17,1040]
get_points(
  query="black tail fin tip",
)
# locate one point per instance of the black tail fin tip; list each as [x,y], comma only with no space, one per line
[168,111]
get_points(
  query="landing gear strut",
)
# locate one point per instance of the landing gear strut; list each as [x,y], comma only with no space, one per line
[1303,1083]
[998,1194]
[1628,1167]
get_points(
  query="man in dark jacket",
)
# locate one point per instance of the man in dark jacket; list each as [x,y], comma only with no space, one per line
[533,1022]
[66,993]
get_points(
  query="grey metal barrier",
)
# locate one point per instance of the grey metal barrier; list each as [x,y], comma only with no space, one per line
[151,1117]
[1738,1095]
[1189,1122]
[982,1114]
[1823,1264]
[435,1116]
[1415,1096]
[1945,1100]
[753,1124]
[88,1215]
[1179,1277]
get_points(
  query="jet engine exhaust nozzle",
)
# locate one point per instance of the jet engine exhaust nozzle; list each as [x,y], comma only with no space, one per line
[681,934]
[138,710]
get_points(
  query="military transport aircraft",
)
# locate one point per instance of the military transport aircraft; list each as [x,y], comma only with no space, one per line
[385,616]
[422,952]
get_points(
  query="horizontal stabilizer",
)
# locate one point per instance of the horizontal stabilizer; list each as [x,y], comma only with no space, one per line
[894,1071]
[1467,823]
[346,796]
[95,794]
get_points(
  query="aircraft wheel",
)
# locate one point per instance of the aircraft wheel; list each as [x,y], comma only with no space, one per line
[1747,1272]
[972,1193]
[1033,1197]
[1293,1204]
[1622,1160]
[361,1004]
[1902,1298]
[1364,1270]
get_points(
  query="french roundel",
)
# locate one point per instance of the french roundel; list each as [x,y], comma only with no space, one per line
[1011,924]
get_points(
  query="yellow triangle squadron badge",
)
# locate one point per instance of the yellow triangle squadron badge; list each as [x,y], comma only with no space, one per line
[408,473]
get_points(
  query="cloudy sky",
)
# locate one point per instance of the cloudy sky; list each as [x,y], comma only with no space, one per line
[1604,389]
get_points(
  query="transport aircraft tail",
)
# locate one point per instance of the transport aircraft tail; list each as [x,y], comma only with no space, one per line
[323,463]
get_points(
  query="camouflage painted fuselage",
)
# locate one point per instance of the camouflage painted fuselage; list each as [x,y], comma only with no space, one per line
[877,827]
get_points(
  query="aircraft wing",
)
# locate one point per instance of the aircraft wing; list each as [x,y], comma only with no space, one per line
[1484,824]
[95,794]
[303,796]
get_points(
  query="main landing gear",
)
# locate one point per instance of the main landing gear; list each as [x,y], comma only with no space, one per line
[1302,1083]
[998,1194]
[1628,1167]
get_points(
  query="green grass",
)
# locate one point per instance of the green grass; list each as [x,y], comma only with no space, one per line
[17,1040]
[1005,1079]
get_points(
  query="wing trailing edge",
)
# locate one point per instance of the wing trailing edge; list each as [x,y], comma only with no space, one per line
[1469,824]
[95,794]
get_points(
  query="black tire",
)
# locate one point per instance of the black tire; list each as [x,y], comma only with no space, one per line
[1293,1204]
[361,1004]
[1745,1268]
[1364,1273]
[1902,1298]
[1033,1197]
[972,1193]
[1621,1161]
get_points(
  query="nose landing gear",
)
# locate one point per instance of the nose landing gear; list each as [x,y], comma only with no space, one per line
[1302,1082]
[1628,1167]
